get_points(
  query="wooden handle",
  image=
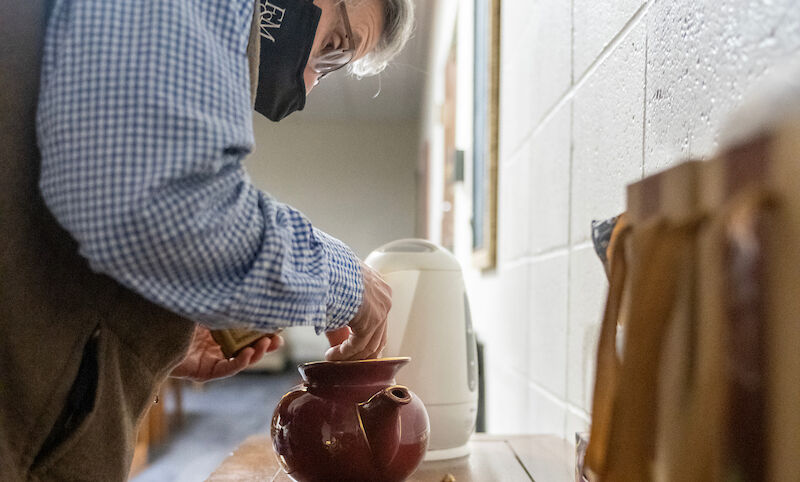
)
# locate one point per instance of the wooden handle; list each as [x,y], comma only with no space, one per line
[607,362]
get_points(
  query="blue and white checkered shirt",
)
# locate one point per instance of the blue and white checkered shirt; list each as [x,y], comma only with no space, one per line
[144,119]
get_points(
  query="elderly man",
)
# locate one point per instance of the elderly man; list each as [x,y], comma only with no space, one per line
[134,220]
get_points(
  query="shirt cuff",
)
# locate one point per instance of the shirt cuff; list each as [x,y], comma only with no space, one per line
[345,284]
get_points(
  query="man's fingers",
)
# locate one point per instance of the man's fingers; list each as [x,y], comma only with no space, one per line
[334,353]
[358,346]
[348,348]
[339,335]
[262,344]
[276,341]
[337,352]
[384,339]
[232,366]
[379,351]
[344,350]
[371,347]
[259,349]
[244,358]
[248,356]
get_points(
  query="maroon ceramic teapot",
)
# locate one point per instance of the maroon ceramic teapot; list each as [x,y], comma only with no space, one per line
[349,421]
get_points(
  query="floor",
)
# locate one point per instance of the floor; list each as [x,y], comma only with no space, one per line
[216,420]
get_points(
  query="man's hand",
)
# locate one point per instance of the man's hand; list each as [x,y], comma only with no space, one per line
[365,336]
[205,360]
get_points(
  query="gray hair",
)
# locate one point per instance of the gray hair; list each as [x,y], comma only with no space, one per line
[398,25]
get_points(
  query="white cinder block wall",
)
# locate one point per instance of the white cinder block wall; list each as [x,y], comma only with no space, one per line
[594,95]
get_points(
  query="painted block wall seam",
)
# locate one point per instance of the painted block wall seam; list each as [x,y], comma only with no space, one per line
[535,67]
[513,220]
[607,134]
[703,58]
[550,159]
[577,421]
[508,148]
[510,327]
[546,413]
[613,82]
[507,397]
[587,290]
[522,406]
[547,334]
[534,193]
[595,25]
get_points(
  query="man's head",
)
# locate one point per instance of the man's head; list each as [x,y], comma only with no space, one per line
[302,41]
[380,30]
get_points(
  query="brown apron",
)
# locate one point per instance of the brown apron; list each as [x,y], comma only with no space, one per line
[81,357]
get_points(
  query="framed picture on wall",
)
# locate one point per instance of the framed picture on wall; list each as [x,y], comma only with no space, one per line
[486,92]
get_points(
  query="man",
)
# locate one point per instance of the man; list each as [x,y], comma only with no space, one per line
[141,220]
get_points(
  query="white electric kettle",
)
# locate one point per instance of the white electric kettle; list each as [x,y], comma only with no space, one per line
[430,322]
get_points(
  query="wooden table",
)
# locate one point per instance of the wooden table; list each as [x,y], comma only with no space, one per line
[513,458]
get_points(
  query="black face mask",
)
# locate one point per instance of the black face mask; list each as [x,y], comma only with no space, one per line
[287,33]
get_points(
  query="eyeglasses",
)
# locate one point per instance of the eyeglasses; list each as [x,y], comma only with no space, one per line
[333,60]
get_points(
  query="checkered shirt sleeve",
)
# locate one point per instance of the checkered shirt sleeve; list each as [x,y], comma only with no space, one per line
[144,120]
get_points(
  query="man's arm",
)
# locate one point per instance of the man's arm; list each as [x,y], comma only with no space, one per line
[144,120]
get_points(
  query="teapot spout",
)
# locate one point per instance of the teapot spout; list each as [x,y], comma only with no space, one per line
[380,422]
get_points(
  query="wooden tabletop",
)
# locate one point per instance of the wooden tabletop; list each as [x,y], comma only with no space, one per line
[513,458]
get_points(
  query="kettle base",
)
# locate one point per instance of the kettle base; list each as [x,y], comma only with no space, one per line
[445,454]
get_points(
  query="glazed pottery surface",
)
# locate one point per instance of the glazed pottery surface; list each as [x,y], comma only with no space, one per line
[349,421]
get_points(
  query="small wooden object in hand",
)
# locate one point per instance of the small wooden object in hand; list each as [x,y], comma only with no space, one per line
[234,340]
